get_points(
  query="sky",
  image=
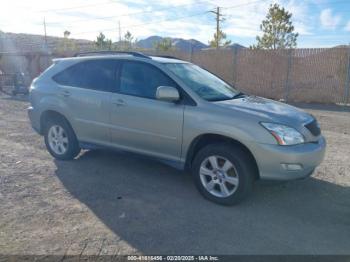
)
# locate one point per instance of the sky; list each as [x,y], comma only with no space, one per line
[320,23]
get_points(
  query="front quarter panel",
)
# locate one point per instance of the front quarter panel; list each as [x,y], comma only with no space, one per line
[246,129]
[211,119]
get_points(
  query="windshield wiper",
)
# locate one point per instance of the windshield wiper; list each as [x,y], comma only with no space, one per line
[238,95]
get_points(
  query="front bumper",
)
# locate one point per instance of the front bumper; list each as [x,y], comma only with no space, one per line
[34,119]
[273,160]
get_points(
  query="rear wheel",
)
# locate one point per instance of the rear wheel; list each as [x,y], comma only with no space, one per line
[223,174]
[60,139]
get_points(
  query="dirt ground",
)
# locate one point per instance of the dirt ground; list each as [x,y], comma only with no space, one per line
[114,203]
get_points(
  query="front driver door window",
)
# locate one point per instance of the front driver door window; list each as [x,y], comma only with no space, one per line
[142,80]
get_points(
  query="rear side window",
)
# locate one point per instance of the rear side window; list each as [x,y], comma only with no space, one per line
[141,79]
[97,75]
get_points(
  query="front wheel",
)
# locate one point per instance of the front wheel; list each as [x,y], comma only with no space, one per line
[60,139]
[223,174]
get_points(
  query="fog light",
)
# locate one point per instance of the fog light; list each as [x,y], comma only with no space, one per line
[292,167]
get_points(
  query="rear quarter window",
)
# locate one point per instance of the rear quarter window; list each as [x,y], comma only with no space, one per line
[96,75]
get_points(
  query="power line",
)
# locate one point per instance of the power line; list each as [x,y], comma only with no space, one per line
[208,1]
[151,11]
[259,1]
[143,24]
[166,20]
[331,3]
[219,18]
[193,15]
[132,14]
[245,4]
[75,7]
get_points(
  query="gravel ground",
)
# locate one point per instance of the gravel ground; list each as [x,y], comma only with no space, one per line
[114,203]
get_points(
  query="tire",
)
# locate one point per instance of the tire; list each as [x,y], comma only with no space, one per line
[238,179]
[67,139]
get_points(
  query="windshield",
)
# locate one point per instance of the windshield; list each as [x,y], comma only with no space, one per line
[205,84]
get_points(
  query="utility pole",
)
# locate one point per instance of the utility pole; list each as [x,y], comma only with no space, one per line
[217,26]
[120,33]
[45,33]
[347,80]
[218,20]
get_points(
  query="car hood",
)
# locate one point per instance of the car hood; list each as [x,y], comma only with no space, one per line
[267,110]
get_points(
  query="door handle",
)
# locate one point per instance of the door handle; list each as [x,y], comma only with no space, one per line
[66,93]
[119,102]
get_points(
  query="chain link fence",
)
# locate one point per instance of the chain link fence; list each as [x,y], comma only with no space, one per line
[315,75]
[318,75]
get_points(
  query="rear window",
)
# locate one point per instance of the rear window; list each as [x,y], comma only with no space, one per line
[97,75]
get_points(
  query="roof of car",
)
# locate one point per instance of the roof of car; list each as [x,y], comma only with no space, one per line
[116,55]
[161,59]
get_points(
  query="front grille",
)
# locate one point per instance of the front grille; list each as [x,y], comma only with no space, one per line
[314,128]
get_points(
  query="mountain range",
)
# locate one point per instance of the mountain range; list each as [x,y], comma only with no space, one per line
[11,42]
[179,43]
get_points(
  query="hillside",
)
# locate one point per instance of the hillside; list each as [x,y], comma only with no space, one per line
[12,42]
[179,43]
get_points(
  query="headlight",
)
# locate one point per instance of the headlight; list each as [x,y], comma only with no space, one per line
[284,135]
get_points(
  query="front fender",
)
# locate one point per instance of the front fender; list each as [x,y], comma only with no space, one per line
[238,127]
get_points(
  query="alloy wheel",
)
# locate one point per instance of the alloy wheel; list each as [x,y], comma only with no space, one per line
[58,140]
[219,176]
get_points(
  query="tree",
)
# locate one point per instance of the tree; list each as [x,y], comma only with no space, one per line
[127,43]
[278,30]
[66,34]
[128,39]
[102,42]
[164,45]
[66,44]
[219,39]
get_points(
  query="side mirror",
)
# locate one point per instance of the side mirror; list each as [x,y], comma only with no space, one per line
[167,93]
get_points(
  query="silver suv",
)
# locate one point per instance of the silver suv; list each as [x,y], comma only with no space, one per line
[176,112]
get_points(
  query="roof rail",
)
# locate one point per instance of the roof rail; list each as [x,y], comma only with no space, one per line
[107,52]
[165,56]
